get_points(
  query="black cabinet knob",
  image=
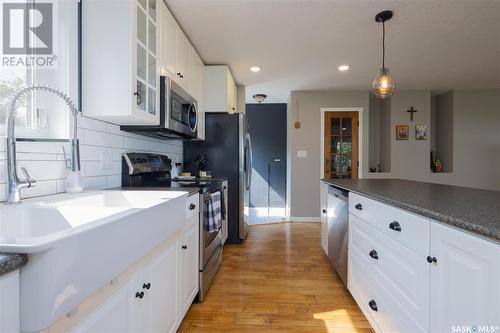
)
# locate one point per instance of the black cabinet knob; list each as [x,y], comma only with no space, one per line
[395,226]
[136,93]
[146,286]
[324,211]
[178,73]
[184,247]
[192,206]
[373,254]
[359,206]
[373,305]
[430,259]
[139,294]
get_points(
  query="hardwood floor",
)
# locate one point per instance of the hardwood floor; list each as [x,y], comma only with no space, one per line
[279,280]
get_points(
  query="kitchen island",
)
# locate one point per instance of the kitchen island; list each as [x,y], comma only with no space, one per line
[421,257]
[473,210]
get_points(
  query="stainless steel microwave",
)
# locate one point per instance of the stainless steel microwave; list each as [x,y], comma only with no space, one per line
[178,114]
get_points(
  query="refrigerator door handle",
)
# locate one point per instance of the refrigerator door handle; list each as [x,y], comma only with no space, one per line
[249,161]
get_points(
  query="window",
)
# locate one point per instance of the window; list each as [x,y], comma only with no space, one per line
[40,114]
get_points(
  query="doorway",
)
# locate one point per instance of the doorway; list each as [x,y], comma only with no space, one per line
[267,128]
[341,145]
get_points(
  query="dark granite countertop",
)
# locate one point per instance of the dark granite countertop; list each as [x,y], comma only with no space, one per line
[11,261]
[473,210]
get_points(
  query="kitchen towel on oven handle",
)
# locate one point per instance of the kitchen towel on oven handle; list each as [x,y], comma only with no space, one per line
[214,216]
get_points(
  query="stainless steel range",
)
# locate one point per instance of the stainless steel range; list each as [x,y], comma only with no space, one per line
[143,170]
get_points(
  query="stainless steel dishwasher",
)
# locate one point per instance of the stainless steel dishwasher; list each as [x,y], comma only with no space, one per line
[338,223]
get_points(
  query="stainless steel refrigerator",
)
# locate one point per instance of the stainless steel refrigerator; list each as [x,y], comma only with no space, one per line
[228,148]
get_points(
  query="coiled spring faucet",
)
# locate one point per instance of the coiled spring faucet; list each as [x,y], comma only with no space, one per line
[14,183]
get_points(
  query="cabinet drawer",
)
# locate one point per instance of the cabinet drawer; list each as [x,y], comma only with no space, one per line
[410,230]
[404,273]
[379,305]
[192,205]
[362,291]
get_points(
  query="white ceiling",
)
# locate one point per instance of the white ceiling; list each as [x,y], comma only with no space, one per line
[299,44]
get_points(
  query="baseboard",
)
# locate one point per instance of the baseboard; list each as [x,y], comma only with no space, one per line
[316,219]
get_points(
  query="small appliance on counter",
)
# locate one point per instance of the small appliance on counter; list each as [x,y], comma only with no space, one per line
[148,171]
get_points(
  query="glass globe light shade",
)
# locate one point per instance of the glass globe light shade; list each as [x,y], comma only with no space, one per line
[383,85]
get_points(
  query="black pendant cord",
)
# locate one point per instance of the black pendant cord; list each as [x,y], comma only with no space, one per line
[383,44]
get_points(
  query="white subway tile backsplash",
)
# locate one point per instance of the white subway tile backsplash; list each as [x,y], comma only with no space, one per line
[36,157]
[84,122]
[45,160]
[92,169]
[94,183]
[44,170]
[102,139]
[42,188]
[114,181]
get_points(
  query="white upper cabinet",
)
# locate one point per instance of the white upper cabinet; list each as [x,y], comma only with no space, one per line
[168,41]
[465,288]
[120,61]
[178,57]
[219,92]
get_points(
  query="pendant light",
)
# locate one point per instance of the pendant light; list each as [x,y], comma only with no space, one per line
[383,85]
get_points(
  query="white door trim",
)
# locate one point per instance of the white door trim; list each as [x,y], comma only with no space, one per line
[360,137]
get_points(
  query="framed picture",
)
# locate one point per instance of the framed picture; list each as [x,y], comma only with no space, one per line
[402,132]
[421,132]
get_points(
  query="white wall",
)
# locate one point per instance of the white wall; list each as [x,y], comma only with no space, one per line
[45,161]
[410,158]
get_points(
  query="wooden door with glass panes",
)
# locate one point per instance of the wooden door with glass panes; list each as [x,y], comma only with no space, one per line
[341,145]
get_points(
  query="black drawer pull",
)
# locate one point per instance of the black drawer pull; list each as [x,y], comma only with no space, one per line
[373,305]
[184,247]
[431,260]
[324,211]
[146,286]
[373,254]
[395,226]
[139,294]
[192,206]
[359,206]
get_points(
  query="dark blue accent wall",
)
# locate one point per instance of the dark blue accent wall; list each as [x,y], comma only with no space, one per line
[267,127]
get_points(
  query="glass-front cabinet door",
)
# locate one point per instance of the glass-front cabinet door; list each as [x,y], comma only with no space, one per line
[341,145]
[146,57]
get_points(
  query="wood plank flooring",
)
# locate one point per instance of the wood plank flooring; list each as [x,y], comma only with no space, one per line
[278,280]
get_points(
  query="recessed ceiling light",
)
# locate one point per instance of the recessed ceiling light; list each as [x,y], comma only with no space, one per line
[343,68]
[255,69]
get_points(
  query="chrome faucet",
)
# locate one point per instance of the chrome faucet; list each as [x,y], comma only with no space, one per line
[14,183]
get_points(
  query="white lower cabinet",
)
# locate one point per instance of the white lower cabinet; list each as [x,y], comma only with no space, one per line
[147,302]
[113,315]
[164,301]
[465,281]
[155,296]
[9,302]
[189,266]
[453,287]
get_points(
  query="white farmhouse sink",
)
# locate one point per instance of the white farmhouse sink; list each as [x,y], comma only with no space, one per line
[78,243]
